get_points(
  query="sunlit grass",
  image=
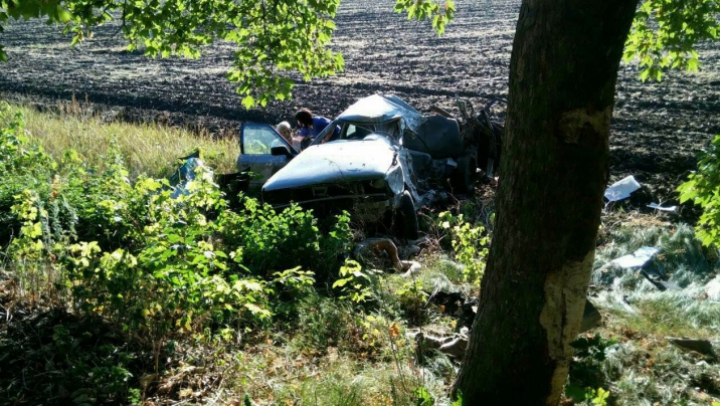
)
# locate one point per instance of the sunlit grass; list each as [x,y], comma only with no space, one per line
[147,148]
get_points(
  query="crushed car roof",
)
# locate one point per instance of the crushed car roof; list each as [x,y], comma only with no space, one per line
[381,109]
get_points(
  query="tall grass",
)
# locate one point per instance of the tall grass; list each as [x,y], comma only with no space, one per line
[147,148]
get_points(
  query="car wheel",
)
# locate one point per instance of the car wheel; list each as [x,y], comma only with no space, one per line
[406,219]
[463,179]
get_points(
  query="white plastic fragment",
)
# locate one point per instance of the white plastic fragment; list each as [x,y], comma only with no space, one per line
[412,267]
[712,289]
[637,258]
[661,208]
[622,189]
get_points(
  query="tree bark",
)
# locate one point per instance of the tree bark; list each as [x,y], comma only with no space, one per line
[563,71]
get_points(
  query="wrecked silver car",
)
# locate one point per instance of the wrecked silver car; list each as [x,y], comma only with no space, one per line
[386,161]
[366,171]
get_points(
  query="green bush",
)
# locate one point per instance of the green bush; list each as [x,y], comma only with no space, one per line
[703,189]
[148,259]
[59,359]
[269,241]
[24,165]
[469,243]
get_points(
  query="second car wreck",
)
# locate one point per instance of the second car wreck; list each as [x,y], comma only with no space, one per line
[385,161]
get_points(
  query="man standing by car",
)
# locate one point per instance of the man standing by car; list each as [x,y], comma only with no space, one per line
[311,126]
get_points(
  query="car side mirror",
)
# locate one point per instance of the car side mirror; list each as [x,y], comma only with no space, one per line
[280,150]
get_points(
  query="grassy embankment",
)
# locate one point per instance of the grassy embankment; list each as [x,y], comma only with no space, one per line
[148,148]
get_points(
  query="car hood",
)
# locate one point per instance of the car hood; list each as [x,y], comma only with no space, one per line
[337,161]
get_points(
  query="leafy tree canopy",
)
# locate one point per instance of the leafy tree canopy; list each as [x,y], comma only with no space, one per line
[279,41]
[666,33]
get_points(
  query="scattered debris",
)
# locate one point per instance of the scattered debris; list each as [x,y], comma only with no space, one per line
[621,189]
[467,317]
[450,301]
[637,259]
[186,173]
[412,267]
[656,206]
[712,289]
[659,280]
[375,252]
[455,347]
[591,317]
[701,346]
[409,251]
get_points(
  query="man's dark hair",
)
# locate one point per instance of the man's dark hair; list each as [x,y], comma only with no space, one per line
[304,116]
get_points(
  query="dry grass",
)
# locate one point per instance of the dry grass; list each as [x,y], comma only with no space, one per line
[150,148]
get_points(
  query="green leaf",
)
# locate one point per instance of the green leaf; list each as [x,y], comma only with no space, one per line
[248,102]
[645,74]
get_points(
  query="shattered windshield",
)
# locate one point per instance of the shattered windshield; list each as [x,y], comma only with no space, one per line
[358,131]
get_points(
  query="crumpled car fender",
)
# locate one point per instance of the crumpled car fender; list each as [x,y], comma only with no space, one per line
[395,179]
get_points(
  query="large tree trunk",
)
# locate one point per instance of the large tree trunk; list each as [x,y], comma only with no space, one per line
[563,71]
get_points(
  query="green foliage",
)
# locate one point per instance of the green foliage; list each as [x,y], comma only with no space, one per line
[412,298]
[156,262]
[87,360]
[586,370]
[665,34]
[597,397]
[24,164]
[469,243]
[703,189]
[267,241]
[355,284]
[441,14]
[176,281]
[424,398]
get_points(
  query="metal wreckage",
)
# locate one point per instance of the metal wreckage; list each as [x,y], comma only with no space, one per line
[388,161]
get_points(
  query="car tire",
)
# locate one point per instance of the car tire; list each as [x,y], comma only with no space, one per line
[463,179]
[406,219]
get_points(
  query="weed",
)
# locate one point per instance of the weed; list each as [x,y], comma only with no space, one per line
[470,245]
[702,188]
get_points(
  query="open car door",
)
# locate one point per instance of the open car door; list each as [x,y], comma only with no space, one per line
[263,151]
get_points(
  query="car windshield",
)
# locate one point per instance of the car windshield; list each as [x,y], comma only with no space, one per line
[358,131]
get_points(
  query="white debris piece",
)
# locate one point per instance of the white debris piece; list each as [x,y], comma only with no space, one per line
[622,189]
[637,258]
[712,289]
[412,267]
[661,208]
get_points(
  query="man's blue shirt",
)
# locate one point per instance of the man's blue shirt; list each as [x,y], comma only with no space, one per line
[319,124]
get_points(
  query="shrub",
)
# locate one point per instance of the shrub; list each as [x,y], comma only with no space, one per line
[469,243]
[703,189]
[269,240]
[152,260]
[24,165]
